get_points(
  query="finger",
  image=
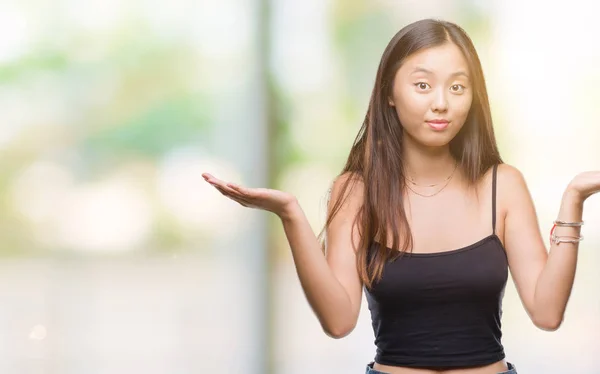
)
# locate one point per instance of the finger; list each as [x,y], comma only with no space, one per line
[212,180]
[233,188]
[238,200]
[218,182]
[208,177]
[230,196]
[228,190]
[234,197]
[245,192]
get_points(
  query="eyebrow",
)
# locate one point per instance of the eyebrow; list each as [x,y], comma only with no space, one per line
[419,69]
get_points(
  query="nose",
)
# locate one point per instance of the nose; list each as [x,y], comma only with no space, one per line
[440,102]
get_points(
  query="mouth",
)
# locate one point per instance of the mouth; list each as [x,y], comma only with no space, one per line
[438,125]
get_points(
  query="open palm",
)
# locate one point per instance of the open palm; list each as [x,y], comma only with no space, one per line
[259,198]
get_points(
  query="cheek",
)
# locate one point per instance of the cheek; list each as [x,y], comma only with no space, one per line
[411,107]
[461,107]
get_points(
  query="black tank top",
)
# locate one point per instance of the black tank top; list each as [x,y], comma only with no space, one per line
[442,310]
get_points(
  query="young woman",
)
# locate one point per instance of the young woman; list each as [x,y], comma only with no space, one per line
[427,218]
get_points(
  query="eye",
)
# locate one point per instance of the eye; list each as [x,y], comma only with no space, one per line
[422,86]
[457,88]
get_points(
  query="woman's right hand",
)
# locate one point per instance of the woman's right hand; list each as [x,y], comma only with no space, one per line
[278,202]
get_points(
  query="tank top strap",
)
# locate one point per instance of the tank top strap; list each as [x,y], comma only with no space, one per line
[494,173]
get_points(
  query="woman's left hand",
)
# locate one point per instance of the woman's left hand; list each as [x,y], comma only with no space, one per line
[585,184]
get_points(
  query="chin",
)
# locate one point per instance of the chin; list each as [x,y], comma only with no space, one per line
[435,144]
[430,138]
[440,140]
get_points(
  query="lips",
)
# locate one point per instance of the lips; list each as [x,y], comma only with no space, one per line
[438,124]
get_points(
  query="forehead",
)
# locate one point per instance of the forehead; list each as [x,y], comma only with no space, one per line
[445,59]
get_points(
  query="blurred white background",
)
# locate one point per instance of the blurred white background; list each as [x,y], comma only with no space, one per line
[116,256]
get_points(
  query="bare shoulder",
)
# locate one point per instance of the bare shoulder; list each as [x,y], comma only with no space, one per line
[353,193]
[349,176]
[510,173]
[512,187]
[507,178]
[511,179]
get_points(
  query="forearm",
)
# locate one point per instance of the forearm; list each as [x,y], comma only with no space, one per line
[325,294]
[556,279]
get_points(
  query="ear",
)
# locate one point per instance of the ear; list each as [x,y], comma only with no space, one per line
[391,102]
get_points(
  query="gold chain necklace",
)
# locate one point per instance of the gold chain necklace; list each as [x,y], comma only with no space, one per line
[435,184]
[447,181]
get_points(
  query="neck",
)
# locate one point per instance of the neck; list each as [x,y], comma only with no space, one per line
[427,164]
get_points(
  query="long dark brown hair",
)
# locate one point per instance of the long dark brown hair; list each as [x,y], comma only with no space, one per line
[376,155]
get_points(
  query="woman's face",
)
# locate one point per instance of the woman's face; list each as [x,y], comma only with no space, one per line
[432,94]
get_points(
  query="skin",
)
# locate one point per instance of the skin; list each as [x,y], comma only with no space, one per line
[433,84]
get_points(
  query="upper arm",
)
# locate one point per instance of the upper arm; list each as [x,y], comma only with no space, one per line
[523,241]
[343,238]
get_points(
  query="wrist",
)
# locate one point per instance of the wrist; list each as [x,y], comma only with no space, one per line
[290,211]
[573,196]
